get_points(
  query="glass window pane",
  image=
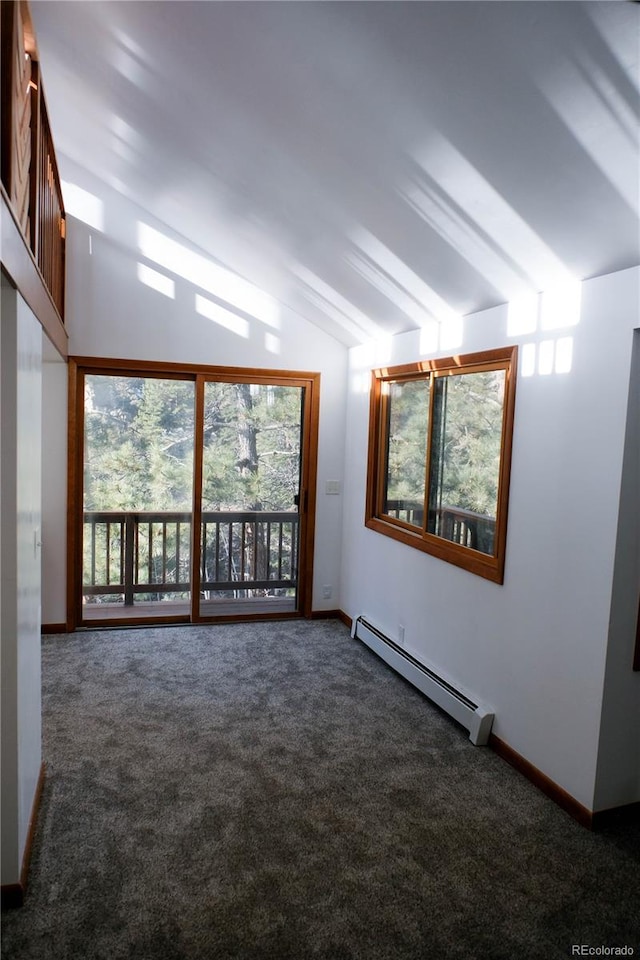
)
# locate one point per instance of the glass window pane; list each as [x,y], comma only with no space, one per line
[250,529]
[138,480]
[407,419]
[138,443]
[252,446]
[465,458]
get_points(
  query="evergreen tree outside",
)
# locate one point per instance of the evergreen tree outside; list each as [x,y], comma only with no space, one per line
[464,459]
[466,441]
[139,443]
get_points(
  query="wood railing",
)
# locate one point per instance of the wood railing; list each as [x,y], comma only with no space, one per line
[475,530]
[147,554]
[29,170]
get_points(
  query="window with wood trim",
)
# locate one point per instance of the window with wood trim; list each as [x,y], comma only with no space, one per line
[440,436]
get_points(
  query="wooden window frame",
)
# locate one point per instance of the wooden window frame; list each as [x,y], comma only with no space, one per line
[491,567]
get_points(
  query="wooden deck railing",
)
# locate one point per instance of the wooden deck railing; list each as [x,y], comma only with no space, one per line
[29,170]
[475,530]
[147,554]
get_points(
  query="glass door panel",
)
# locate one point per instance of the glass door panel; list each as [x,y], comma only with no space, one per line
[251,468]
[137,497]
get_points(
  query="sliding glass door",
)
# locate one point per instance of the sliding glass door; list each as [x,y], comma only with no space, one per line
[251,474]
[137,496]
[195,490]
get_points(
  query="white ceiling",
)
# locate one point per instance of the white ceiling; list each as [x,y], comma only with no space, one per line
[372,165]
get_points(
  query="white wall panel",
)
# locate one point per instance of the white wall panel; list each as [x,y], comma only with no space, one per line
[21,356]
[54,489]
[618,774]
[9,847]
[534,649]
[29,532]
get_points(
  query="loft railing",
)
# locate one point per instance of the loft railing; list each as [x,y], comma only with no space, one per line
[475,530]
[147,554]
[29,170]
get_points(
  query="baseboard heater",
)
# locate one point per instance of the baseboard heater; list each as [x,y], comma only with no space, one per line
[474,718]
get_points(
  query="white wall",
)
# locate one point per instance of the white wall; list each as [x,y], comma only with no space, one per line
[21,389]
[54,488]
[533,649]
[618,774]
[111,313]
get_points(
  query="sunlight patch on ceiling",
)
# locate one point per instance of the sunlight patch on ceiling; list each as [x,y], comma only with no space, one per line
[553,309]
[157,281]
[560,306]
[83,205]
[128,58]
[392,277]
[223,317]
[124,131]
[447,335]
[334,305]
[522,315]
[126,142]
[452,333]
[471,215]
[128,43]
[209,276]
[430,339]
[601,120]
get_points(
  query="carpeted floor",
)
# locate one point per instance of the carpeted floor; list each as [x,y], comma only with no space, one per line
[275,792]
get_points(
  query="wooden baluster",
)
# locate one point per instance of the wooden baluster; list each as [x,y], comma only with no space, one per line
[294,549]
[93,553]
[128,561]
[122,551]
[164,552]
[268,552]
[203,558]
[178,525]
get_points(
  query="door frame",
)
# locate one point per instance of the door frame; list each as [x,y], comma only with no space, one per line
[80,367]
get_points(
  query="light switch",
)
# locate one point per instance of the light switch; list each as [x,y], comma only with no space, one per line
[332,487]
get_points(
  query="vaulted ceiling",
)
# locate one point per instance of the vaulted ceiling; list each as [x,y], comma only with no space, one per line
[371,165]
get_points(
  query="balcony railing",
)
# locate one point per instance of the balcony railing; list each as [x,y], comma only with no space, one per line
[29,169]
[146,555]
[475,530]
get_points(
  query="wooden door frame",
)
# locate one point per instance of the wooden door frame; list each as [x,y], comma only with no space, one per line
[80,367]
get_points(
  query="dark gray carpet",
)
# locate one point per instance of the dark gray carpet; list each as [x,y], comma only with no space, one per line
[275,791]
